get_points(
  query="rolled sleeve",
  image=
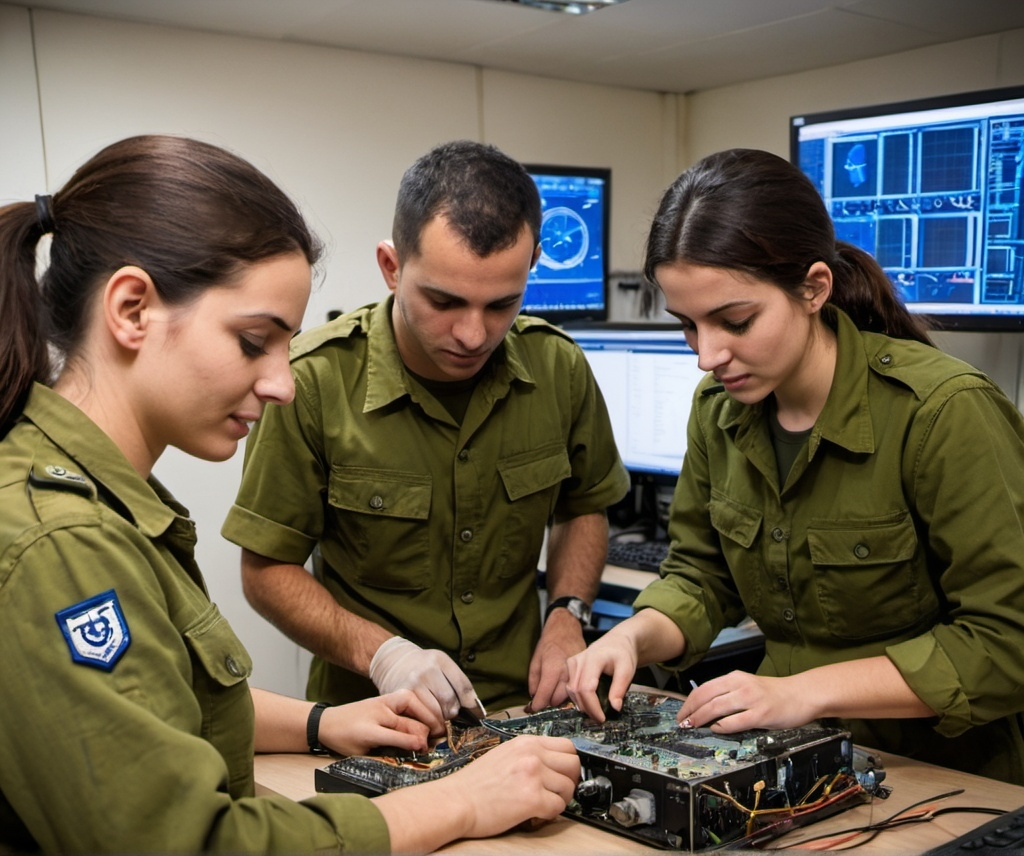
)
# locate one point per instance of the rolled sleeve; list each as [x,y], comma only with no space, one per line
[260,535]
[932,676]
[968,668]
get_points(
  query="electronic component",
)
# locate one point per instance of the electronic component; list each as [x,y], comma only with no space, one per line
[646,778]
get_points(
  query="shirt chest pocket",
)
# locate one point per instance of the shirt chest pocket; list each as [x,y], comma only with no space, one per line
[220,668]
[532,482]
[869,577]
[380,528]
[738,527]
[219,651]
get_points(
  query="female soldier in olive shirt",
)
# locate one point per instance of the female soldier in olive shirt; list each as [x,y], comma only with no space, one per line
[856,491]
[178,275]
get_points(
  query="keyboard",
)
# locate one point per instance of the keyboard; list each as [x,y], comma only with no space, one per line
[639,555]
[1002,835]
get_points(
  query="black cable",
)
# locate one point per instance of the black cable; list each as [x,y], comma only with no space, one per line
[894,821]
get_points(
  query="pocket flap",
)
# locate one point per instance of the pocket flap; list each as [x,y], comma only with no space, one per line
[738,523]
[521,478]
[389,493]
[861,543]
[218,648]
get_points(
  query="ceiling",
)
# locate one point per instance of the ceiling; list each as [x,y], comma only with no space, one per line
[661,45]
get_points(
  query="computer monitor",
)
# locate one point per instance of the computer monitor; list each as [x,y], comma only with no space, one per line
[570,279]
[647,375]
[932,188]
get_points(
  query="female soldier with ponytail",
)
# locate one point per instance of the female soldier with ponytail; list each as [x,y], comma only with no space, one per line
[177,276]
[854,490]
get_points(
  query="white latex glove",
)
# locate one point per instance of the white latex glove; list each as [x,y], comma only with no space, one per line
[431,674]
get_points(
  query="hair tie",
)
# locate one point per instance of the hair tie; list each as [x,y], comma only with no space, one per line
[44,211]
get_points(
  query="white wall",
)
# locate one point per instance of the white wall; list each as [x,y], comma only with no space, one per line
[22,171]
[756,115]
[336,129]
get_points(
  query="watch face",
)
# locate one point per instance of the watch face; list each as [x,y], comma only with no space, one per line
[579,609]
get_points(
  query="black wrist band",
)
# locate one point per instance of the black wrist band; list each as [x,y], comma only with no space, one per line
[313,729]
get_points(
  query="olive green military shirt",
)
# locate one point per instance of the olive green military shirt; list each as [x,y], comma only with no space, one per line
[428,528]
[126,723]
[899,531]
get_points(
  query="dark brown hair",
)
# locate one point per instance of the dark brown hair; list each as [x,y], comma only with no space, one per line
[752,211]
[190,214]
[486,196]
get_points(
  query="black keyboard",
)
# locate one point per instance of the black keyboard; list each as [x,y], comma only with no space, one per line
[639,555]
[1002,835]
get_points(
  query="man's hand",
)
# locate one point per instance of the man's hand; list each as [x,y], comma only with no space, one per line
[434,676]
[561,638]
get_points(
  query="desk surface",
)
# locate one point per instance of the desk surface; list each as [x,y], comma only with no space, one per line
[911,781]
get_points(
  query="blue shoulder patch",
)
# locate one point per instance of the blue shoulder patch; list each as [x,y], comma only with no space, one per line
[95,630]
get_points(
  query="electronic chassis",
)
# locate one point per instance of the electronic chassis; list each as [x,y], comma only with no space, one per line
[646,778]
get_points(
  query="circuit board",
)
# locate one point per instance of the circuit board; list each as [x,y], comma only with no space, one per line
[646,778]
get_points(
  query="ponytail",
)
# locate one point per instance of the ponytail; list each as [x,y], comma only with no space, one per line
[863,291]
[24,357]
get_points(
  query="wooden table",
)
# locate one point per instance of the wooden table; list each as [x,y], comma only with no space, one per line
[911,781]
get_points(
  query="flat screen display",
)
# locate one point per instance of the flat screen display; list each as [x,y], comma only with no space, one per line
[647,375]
[570,279]
[932,189]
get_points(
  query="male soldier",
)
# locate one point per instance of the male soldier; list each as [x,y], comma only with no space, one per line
[432,439]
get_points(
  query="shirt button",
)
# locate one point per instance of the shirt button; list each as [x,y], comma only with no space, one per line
[788,614]
[782,582]
[471,656]
[885,359]
[467,597]
[376,502]
[778,534]
[233,666]
[466,535]
[862,551]
[464,455]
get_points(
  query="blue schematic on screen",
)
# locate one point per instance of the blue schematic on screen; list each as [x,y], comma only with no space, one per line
[570,277]
[933,191]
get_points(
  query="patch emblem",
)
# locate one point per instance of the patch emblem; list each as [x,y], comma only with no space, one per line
[95,630]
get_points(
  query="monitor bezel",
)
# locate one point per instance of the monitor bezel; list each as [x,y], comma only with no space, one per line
[973,322]
[559,316]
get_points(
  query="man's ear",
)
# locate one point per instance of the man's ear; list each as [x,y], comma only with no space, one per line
[818,286]
[387,261]
[129,299]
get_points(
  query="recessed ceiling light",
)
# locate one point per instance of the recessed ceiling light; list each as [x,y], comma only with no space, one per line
[571,7]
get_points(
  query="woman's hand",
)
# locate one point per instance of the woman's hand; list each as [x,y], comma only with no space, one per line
[647,637]
[739,701]
[871,688]
[524,778]
[611,654]
[397,719]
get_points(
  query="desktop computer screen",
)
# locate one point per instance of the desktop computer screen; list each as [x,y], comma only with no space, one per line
[647,375]
[570,279]
[933,189]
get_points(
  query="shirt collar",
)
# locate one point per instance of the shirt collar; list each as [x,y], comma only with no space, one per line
[150,505]
[387,379]
[846,418]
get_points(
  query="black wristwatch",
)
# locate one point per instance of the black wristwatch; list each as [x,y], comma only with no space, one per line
[578,607]
[313,729]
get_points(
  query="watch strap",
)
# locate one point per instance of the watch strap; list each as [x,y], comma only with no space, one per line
[565,602]
[313,729]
